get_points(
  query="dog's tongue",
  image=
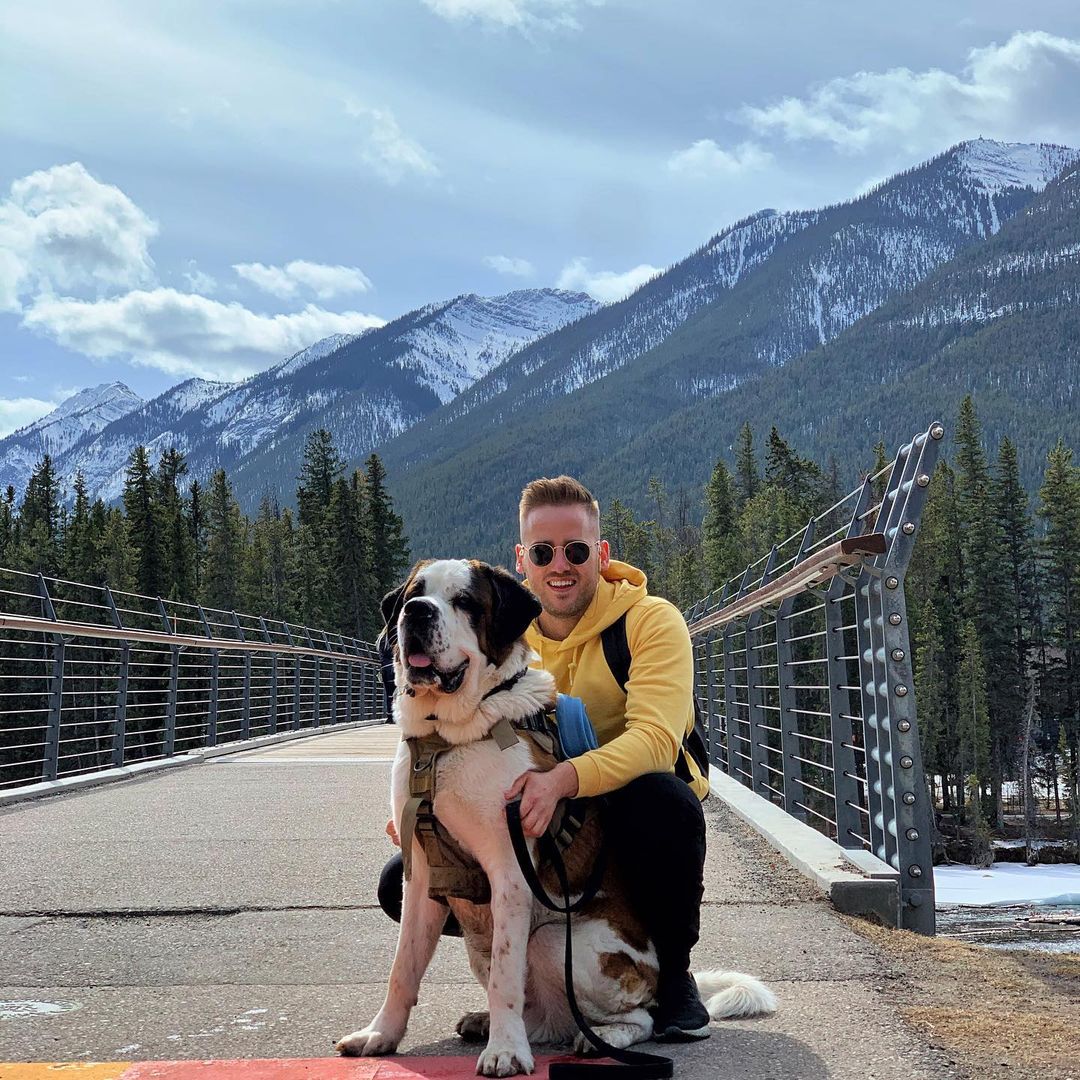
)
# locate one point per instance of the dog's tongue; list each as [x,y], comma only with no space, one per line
[419,659]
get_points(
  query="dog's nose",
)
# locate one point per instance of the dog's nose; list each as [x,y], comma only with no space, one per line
[420,611]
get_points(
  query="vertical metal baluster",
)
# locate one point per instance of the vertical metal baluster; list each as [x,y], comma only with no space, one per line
[790,745]
[273,676]
[245,715]
[349,685]
[296,681]
[734,739]
[50,765]
[333,680]
[755,696]
[169,746]
[845,783]
[215,657]
[119,732]
[316,704]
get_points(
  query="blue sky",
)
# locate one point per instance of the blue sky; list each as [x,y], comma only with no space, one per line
[196,188]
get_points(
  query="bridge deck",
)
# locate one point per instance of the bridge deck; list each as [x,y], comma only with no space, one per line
[227,911]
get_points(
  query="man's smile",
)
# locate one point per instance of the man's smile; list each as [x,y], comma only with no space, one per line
[561,584]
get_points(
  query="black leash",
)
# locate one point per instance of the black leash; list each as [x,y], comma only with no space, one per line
[634,1063]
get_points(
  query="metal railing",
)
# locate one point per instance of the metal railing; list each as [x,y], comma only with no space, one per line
[92,678]
[803,665]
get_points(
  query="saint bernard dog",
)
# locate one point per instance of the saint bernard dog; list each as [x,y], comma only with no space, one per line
[459,637]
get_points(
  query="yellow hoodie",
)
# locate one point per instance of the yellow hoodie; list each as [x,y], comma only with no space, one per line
[642,730]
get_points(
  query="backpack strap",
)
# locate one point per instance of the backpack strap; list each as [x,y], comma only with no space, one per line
[617,650]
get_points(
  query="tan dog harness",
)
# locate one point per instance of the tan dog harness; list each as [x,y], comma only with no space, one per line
[453,871]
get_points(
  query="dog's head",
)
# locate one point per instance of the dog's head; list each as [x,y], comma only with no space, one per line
[454,616]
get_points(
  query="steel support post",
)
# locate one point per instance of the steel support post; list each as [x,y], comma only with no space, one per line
[119,732]
[169,747]
[50,764]
[790,744]
[913,813]
[273,677]
[215,656]
[245,713]
[296,682]
[755,693]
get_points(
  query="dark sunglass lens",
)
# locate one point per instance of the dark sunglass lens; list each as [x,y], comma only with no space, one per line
[578,552]
[541,554]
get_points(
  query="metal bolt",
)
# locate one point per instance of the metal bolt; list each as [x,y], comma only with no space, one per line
[909,798]
[898,655]
[906,762]
[913,834]
[904,725]
[909,527]
[901,691]
[915,871]
[937,432]
[895,619]
[892,582]
[922,480]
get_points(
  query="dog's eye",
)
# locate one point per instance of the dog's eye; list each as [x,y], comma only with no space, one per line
[464,602]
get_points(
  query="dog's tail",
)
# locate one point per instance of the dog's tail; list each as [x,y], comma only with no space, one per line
[730,994]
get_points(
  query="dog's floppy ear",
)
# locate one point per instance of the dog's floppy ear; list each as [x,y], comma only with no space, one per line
[515,607]
[391,605]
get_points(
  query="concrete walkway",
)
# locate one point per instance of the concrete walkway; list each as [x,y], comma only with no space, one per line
[227,910]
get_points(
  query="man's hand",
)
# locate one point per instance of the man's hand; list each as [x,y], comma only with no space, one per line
[392,833]
[540,793]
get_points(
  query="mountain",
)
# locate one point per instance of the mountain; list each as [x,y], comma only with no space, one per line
[457,471]
[85,413]
[365,388]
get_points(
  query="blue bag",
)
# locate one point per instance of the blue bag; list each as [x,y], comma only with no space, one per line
[575,728]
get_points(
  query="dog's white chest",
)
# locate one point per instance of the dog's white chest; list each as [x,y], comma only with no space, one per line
[470,786]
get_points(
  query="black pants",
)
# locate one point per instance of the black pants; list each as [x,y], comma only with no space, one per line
[656,830]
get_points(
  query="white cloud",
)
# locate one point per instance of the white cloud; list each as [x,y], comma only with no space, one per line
[198,281]
[505,264]
[604,285]
[63,231]
[516,14]
[1017,91]
[704,159]
[388,150]
[186,334]
[324,281]
[18,412]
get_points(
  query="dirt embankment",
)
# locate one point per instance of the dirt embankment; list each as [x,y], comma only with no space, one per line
[997,1013]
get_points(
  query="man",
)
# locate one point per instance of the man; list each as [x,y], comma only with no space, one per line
[655,824]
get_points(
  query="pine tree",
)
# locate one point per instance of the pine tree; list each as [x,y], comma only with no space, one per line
[932,694]
[615,527]
[322,465]
[719,530]
[38,546]
[973,720]
[117,559]
[385,532]
[196,520]
[225,538]
[79,552]
[177,545]
[142,521]
[353,595]
[747,473]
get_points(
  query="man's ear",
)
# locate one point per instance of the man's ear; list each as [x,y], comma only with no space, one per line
[515,607]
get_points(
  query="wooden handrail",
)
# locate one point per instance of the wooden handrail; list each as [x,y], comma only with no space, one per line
[30,624]
[819,568]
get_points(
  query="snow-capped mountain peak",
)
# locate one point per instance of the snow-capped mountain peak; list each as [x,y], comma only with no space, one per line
[312,353]
[995,166]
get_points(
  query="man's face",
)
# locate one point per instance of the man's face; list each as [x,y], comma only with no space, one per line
[564,590]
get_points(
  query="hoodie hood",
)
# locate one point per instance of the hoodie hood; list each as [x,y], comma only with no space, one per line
[620,587]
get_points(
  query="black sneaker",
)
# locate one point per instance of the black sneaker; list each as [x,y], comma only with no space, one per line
[679,1015]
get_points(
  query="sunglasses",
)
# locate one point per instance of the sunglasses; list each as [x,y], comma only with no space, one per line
[577,552]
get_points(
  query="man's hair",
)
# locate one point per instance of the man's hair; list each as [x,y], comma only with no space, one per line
[556,491]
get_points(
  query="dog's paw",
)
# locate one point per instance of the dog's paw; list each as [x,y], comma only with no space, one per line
[504,1059]
[368,1042]
[474,1026]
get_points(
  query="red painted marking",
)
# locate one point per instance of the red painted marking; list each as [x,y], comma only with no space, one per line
[329,1068]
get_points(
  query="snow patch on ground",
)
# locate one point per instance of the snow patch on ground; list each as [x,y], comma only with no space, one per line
[1007,883]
